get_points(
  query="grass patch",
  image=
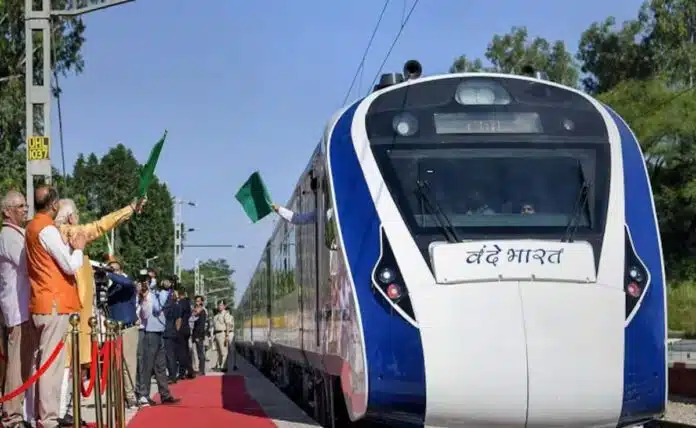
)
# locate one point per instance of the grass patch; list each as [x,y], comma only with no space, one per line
[681,307]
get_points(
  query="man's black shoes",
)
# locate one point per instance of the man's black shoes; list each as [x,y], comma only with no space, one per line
[170,400]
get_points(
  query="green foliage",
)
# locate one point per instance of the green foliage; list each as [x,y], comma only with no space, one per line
[681,300]
[510,52]
[12,170]
[665,122]
[101,186]
[611,55]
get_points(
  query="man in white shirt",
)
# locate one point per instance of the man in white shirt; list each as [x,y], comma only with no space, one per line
[51,267]
[14,303]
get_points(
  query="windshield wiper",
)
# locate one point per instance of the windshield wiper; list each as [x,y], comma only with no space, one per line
[443,222]
[580,205]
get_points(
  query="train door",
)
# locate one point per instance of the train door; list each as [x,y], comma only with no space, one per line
[319,184]
[307,237]
[318,229]
[299,263]
[269,295]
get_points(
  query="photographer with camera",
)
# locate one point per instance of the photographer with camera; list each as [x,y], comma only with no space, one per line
[154,360]
[142,288]
[121,300]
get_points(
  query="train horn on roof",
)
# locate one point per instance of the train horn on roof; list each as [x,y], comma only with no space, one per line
[412,69]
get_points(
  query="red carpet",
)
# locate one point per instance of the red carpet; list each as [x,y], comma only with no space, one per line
[207,401]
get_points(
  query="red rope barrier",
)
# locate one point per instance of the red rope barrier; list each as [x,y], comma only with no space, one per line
[36,375]
[86,392]
[103,353]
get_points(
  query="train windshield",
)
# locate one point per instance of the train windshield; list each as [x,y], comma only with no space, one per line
[523,159]
[494,188]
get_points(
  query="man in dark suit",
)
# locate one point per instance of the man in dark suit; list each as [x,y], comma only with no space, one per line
[200,331]
[183,351]
[172,314]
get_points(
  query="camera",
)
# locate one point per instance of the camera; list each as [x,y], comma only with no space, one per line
[101,284]
[143,276]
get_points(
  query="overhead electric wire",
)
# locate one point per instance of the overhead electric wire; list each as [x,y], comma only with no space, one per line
[396,39]
[60,110]
[361,64]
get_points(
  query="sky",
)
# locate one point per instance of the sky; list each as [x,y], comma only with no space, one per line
[249,85]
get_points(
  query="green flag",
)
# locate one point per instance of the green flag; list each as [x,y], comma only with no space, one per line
[254,198]
[149,168]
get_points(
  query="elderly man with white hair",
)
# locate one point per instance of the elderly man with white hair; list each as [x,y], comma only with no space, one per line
[67,220]
[14,303]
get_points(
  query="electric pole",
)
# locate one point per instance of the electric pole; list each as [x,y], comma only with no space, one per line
[177,237]
[37,21]
[179,232]
[197,278]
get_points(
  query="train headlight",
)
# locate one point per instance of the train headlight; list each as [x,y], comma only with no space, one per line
[405,124]
[635,274]
[388,281]
[481,92]
[386,275]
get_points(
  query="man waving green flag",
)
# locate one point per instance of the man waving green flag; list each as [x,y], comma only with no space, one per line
[149,168]
[254,198]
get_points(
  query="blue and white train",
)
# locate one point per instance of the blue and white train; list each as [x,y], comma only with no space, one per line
[485,253]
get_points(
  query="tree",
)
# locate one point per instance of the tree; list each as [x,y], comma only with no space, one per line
[68,37]
[674,37]
[106,185]
[664,121]
[509,53]
[661,41]
[12,170]
[610,55]
[465,65]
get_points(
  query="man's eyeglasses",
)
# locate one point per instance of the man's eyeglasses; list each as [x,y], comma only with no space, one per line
[21,206]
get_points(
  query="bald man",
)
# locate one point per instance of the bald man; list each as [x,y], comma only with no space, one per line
[51,266]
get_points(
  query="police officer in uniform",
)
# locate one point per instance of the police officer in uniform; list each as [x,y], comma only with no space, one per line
[223,327]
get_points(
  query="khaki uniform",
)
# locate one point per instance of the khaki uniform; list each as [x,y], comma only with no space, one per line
[223,328]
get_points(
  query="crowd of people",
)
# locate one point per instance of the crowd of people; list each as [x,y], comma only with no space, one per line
[45,277]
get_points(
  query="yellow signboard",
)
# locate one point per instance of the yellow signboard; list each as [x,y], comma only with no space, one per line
[39,148]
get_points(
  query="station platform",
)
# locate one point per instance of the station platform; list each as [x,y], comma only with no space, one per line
[238,398]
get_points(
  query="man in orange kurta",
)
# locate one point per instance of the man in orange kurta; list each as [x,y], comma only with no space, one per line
[51,267]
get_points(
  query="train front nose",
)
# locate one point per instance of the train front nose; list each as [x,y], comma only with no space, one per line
[475,357]
[521,353]
[575,353]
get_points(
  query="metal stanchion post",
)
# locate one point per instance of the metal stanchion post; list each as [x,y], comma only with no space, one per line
[75,364]
[97,375]
[118,376]
[110,378]
[122,378]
